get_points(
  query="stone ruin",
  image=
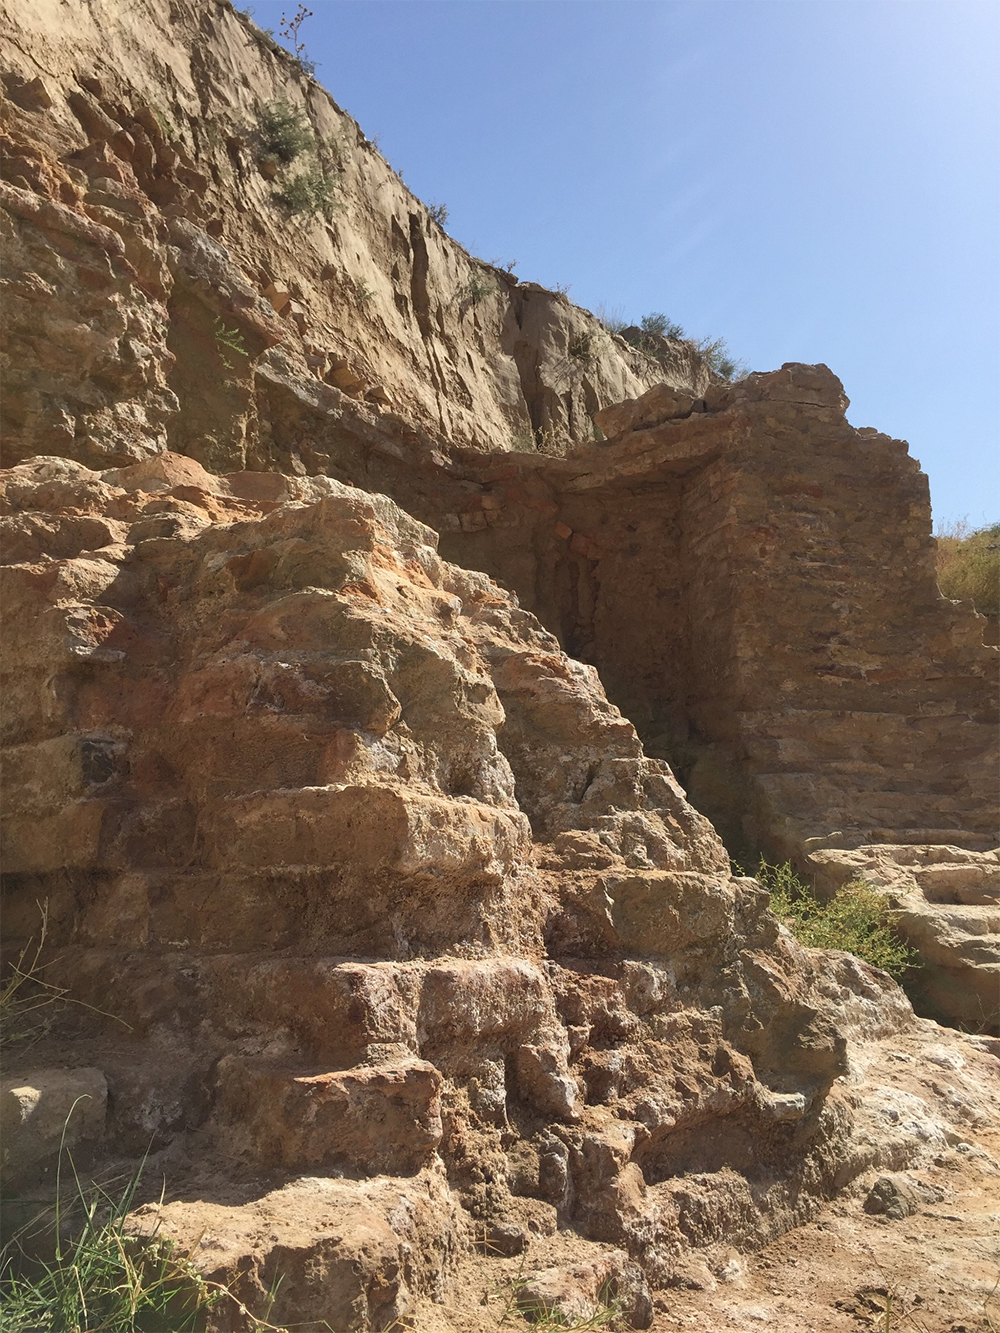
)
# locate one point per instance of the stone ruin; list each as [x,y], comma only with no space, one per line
[387,647]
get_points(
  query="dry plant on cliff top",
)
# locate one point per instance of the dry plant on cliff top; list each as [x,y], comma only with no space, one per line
[968,565]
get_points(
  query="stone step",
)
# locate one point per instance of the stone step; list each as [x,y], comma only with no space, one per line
[378,1118]
[367,827]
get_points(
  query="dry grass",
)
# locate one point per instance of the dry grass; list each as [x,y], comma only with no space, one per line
[968,565]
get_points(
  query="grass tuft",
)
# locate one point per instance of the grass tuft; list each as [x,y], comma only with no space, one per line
[25,994]
[103,1278]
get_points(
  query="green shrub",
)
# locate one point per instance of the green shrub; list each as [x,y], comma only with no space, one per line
[478,287]
[661,327]
[283,131]
[856,918]
[309,193]
[229,343]
[968,566]
[438,213]
[717,356]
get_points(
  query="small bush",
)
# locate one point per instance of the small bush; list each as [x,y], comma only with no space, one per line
[283,131]
[717,356]
[968,566]
[658,324]
[308,193]
[438,213]
[856,919]
[583,346]
[478,287]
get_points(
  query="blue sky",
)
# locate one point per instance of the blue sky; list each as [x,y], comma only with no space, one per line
[813,180]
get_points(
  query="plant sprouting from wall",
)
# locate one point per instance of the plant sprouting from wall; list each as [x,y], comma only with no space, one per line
[290,31]
[283,132]
[229,344]
[476,289]
[583,346]
[438,213]
[310,192]
[660,326]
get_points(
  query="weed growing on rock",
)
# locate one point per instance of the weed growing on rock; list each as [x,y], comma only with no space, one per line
[308,193]
[290,30]
[229,343]
[583,346]
[613,318]
[283,132]
[478,287]
[363,291]
[24,993]
[657,324]
[438,213]
[717,356]
[855,918]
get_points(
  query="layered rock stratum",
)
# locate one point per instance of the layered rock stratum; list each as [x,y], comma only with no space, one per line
[363,607]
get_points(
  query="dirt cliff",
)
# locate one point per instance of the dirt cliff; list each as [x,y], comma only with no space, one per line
[361,605]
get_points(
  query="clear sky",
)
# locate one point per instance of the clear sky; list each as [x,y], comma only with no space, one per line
[813,180]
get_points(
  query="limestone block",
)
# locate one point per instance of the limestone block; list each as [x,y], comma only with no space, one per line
[365,826]
[375,1118]
[663,912]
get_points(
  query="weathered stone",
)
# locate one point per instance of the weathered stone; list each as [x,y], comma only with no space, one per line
[899,1195]
[44,1111]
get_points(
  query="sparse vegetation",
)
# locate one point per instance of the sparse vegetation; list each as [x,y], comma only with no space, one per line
[856,918]
[308,193]
[717,356]
[363,291]
[229,343]
[511,1305]
[99,1276]
[661,327]
[25,995]
[438,213]
[290,31]
[478,287]
[76,1267]
[968,565]
[584,345]
[283,132]
[613,318]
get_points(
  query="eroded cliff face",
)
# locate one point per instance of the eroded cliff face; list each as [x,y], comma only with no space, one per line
[142,201]
[429,964]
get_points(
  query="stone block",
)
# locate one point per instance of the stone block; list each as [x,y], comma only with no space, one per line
[378,1118]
